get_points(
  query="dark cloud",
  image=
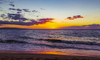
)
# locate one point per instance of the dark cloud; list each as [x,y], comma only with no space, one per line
[12,9]
[15,16]
[19,9]
[12,5]
[74,17]
[15,22]
[26,10]
[69,18]
[3,16]
[32,22]
[19,12]
[34,11]
[79,16]
[15,9]
[18,19]
[44,20]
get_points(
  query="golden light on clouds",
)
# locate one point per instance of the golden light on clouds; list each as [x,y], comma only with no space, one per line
[56,24]
[49,25]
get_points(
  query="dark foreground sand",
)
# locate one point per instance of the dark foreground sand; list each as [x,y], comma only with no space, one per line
[33,56]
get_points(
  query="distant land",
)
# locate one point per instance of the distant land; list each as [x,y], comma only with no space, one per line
[10,28]
[92,26]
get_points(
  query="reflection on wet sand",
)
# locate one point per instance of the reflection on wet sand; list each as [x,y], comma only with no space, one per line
[56,53]
[42,55]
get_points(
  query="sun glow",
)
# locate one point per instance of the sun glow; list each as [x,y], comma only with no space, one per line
[53,27]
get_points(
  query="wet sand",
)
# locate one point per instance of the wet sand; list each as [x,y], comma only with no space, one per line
[36,56]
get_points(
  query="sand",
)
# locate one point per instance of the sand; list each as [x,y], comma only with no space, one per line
[36,56]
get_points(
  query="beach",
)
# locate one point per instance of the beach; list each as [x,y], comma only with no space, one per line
[15,55]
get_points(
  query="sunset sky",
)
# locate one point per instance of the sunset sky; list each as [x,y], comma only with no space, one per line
[59,10]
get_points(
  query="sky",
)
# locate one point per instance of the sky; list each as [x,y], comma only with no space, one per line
[50,14]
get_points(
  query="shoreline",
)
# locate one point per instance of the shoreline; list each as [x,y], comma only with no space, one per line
[20,55]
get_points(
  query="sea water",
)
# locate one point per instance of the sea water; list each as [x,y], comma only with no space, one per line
[86,42]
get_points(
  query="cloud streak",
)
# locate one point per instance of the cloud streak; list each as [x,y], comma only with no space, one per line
[92,26]
[26,10]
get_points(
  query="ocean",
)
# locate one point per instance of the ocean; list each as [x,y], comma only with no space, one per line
[72,42]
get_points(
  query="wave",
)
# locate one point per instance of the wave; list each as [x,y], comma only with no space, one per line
[25,37]
[12,41]
[70,42]
[48,45]
[82,34]
[66,47]
[52,41]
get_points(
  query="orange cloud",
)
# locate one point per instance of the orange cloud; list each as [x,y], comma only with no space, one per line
[74,17]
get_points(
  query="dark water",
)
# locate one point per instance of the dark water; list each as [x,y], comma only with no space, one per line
[40,40]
